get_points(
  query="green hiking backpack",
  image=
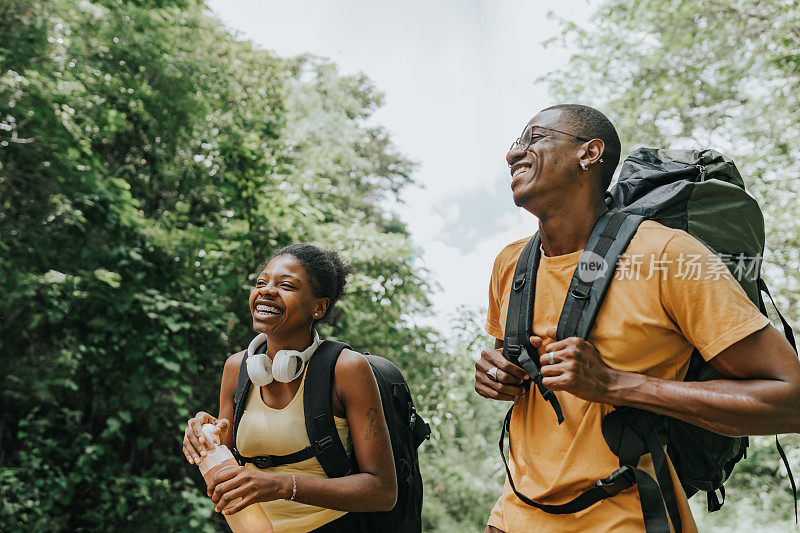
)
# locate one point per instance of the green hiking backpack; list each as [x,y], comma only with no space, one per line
[702,193]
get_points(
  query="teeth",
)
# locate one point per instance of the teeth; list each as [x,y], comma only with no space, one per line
[267,309]
[519,171]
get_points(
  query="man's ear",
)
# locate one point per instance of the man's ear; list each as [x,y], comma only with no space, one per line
[592,153]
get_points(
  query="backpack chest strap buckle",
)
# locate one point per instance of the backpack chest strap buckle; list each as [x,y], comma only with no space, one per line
[263,462]
[621,479]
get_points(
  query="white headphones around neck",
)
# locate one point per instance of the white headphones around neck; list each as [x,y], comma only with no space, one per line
[285,366]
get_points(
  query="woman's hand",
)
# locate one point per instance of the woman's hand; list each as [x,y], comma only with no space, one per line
[249,484]
[194,444]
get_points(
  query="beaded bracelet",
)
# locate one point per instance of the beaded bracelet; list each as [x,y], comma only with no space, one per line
[294,487]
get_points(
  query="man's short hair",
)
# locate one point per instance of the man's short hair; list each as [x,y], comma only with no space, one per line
[588,122]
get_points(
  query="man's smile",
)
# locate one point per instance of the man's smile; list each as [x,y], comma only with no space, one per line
[519,167]
[519,171]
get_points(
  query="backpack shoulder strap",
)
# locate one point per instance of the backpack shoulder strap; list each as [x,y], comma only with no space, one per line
[787,329]
[520,302]
[320,425]
[517,346]
[610,237]
[789,334]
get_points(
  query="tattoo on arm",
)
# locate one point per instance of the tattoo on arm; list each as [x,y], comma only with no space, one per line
[373,429]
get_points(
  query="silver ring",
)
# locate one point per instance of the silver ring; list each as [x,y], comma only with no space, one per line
[552,361]
[492,373]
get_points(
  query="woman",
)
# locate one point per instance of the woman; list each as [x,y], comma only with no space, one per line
[298,287]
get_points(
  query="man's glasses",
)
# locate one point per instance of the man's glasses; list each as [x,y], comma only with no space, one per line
[525,140]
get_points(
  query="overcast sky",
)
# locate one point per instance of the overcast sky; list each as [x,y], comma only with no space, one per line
[459,79]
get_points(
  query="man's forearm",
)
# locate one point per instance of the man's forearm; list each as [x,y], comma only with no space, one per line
[728,407]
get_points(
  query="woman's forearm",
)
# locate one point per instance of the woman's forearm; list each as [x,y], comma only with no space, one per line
[363,492]
[728,407]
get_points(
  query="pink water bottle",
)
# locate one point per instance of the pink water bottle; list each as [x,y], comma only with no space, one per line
[252,518]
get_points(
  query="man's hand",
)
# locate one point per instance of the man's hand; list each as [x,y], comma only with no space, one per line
[573,365]
[510,378]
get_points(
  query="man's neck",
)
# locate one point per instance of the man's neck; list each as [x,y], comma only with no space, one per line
[568,231]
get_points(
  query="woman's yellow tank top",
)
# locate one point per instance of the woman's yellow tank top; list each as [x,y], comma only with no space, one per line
[264,430]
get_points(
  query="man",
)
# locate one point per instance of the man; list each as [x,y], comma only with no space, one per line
[638,349]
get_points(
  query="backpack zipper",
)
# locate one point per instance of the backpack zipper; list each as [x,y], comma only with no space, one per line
[702,170]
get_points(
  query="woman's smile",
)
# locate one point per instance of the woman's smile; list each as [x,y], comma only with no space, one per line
[266,310]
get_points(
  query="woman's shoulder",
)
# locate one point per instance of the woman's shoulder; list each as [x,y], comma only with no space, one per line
[233,363]
[351,361]
[230,374]
[352,368]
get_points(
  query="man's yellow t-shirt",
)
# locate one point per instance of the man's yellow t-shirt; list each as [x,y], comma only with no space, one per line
[669,294]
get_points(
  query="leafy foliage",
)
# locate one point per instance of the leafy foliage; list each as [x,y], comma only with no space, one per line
[722,74]
[149,162]
[460,465]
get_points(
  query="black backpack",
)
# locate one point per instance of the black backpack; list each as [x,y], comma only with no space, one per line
[407,431]
[700,192]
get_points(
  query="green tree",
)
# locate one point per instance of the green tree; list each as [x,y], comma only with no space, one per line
[461,464]
[149,162]
[721,74]
[108,204]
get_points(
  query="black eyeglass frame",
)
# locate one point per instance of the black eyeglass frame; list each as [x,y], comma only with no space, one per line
[529,130]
